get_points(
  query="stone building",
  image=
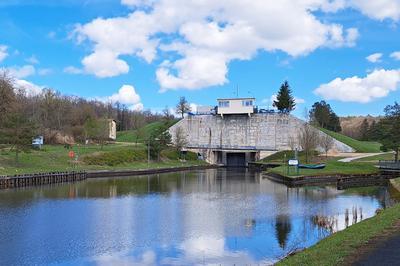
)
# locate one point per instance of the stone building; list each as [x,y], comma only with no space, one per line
[237,137]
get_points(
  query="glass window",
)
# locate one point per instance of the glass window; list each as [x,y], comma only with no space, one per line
[223,104]
[247,103]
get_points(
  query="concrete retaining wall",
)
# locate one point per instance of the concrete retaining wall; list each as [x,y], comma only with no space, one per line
[268,132]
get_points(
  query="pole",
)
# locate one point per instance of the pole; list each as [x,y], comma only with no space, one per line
[148,152]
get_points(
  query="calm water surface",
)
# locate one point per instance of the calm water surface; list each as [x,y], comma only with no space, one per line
[202,217]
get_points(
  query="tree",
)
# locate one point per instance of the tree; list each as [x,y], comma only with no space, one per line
[364,129]
[158,141]
[308,140]
[18,131]
[182,107]
[167,113]
[97,129]
[389,128]
[285,101]
[180,139]
[7,95]
[322,115]
[326,143]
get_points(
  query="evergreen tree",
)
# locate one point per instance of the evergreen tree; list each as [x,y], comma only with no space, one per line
[285,101]
[389,128]
[323,116]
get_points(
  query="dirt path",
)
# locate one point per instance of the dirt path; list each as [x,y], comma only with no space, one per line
[381,250]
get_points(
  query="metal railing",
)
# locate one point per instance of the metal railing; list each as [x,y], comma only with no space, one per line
[393,165]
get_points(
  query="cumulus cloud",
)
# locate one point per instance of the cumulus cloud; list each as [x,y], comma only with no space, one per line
[72,70]
[200,38]
[376,84]
[29,88]
[3,52]
[395,55]
[374,58]
[32,60]
[127,95]
[21,72]
[378,9]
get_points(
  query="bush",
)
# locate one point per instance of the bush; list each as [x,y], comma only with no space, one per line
[115,157]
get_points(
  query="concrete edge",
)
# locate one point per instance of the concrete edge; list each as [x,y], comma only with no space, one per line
[395,185]
[121,173]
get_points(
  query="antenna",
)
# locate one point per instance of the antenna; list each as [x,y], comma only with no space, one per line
[237,91]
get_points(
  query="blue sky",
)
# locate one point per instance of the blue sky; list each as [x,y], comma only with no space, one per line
[203,50]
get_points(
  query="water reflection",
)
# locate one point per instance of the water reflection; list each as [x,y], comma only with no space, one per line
[201,217]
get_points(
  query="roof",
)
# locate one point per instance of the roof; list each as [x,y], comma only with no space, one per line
[247,98]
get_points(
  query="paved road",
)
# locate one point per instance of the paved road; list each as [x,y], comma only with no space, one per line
[363,155]
[386,253]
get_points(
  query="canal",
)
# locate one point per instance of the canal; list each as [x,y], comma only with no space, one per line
[214,216]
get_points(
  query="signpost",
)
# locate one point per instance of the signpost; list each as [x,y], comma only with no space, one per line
[294,163]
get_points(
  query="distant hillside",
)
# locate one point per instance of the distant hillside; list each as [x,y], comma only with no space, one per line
[351,124]
[142,134]
[359,146]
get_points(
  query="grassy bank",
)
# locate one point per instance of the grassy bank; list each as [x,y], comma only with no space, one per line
[334,249]
[90,157]
[387,156]
[333,166]
[140,135]
[359,146]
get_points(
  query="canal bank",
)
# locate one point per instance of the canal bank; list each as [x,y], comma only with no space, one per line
[374,241]
[39,179]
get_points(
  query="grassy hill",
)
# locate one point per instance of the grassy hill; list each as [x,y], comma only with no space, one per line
[141,134]
[359,146]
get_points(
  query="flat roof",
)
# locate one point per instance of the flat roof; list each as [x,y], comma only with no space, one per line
[224,99]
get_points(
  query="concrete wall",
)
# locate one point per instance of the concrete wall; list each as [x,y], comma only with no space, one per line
[268,132]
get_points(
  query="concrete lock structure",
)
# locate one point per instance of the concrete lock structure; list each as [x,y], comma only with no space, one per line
[236,134]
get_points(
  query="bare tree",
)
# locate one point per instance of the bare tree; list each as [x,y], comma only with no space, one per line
[180,138]
[182,107]
[292,142]
[326,143]
[308,140]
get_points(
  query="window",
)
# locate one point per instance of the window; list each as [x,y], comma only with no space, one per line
[247,103]
[223,104]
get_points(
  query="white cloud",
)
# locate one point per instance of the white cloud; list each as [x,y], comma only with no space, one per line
[45,71]
[32,60]
[374,58]
[395,55]
[3,52]
[200,38]
[127,95]
[21,72]
[29,88]
[378,9]
[72,70]
[376,84]
[271,100]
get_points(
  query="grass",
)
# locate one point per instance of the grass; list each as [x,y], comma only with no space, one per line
[333,167]
[141,135]
[91,157]
[334,249]
[359,146]
[283,156]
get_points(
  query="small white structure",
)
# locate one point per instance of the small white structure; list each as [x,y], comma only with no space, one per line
[205,110]
[112,129]
[37,142]
[236,106]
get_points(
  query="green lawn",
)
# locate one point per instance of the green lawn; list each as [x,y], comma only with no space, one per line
[359,146]
[332,167]
[334,249]
[140,135]
[91,157]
